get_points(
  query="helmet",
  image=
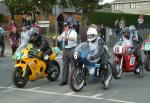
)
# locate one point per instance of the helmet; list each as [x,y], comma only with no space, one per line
[126,32]
[33,31]
[92,34]
[34,34]
[132,27]
[70,25]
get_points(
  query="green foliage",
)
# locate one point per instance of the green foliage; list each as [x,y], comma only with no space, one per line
[1,18]
[108,19]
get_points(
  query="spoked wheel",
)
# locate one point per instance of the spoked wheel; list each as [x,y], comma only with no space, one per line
[107,76]
[147,63]
[53,72]
[139,71]
[117,71]
[77,79]
[17,78]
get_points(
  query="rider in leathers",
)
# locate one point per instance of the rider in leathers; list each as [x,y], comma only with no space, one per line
[137,41]
[41,43]
[98,48]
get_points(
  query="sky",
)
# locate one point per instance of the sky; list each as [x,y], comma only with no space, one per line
[107,1]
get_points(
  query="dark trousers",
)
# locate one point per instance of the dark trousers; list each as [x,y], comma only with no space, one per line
[67,59]
[13,48]
[2,45]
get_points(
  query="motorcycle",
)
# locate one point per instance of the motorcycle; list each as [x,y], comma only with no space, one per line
[125,61]
[83,68]
[30,66]
[146,48]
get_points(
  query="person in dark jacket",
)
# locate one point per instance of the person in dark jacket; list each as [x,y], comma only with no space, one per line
[40,42]
[14,39]
[60,21]
[103,32]
[2,41]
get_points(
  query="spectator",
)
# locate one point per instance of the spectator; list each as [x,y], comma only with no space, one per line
[71,19]
[103,32]
[78,27]
[24,38]
[117,27]
[140,22]
[122,23]
[28,22]
[36,26]
[11,26]
[14,39]
[60,21]
[2,41]
[69,36]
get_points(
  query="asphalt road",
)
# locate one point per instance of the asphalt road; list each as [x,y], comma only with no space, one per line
[129,89]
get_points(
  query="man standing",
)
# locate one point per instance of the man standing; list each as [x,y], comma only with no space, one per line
[60,21]
[2,42]
[103,32]
[69,36]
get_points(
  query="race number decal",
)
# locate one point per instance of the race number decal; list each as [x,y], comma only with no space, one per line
[132,60]
[146,47]
[117,49]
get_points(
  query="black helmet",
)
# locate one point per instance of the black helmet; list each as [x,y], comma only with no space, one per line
[126,32]
[68,24]
[33,32]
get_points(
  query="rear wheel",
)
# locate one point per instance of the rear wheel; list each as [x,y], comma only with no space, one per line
[139,71]
[107,75]
[117,71]
[77,79]
[17,78]
[147,63]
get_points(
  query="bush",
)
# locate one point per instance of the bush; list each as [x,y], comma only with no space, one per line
[1,17]
[108,19]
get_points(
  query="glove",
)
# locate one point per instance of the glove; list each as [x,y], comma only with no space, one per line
[88,57]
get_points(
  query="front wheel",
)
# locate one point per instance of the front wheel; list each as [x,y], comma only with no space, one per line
[77,79]
[107,75]
[17,78]
[117,70]
[53,72]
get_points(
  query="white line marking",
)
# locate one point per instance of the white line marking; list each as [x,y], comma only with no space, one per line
[119,101]
[79,96]
[9,90]
[70,93]
[34,88]
[97,95]
[11,86]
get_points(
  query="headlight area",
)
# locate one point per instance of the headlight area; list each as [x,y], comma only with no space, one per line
[76,55]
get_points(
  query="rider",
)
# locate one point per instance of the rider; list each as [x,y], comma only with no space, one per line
[137,41]
[127,42]
[41,43]
[97,46]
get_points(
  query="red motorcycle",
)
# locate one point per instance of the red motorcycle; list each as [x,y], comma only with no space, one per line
[125,61]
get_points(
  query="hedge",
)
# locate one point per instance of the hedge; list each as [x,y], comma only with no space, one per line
[108,19]
[1,18]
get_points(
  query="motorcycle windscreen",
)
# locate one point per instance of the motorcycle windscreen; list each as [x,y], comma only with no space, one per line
[83,49]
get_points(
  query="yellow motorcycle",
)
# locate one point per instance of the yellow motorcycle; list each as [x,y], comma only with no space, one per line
[31,66]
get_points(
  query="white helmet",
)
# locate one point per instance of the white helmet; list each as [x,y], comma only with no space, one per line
[91,34]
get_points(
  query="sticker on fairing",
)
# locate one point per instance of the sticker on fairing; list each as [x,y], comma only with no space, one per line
[132,60]
[146,47]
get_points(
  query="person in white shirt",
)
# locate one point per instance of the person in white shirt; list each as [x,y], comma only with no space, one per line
[69,38]
[24,38]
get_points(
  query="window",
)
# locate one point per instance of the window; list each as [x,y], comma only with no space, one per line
[132,5]
[116,6]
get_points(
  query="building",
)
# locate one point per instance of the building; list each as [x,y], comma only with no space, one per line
[3,9]
[131,6]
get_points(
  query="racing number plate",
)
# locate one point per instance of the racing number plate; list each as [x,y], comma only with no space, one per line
[147,47]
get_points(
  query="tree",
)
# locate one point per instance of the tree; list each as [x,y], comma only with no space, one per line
[87,6]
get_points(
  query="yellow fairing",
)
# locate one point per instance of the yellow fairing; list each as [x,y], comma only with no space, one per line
[53,56]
